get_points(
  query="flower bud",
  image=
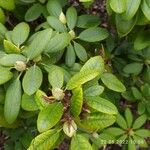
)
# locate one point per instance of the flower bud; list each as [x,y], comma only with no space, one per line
[20,66]
[70,128]
[62,18]
[58,93]
[72,34]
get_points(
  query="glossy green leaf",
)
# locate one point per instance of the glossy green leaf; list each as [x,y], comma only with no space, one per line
[56,78]
[12,101]
[129,117]
[118,6]
[32,80]
[131,144]
[44,141]
[101,105]
[121,122]
[49,116]
[79,142]
[81,78]
[132,7]
[10,47]
[9,60]
[136,93]
[146,9]
[28,103]
[58,42]
[112,82]
[98,34]
[114,131]
[20,33]
[38,44]
[80,51]
[87,21]
[77,101]
[139,122]
[71,16]
[56,24]
[143,133]
[94,90]
[5,75]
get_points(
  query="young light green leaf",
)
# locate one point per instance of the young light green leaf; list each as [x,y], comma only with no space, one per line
[80,51]
[2,16]
[8,5]
[49,116]
[10,47]
[32,80]
[121,122]
[94,90]
[129,117]
[118,6]
[87,21]
[131,11]
[5,75]
[71,16]
[54,8]
[136,93]
[101,105]
[70,56]
[28,103]
[56,78]
[38,44]
[146,9]
[9,60]
[114,131]
[94,63]
[76,101]
[79,142]
[143,133]
[81,78]
[98,34]
[12,101]
[44,141]
[58,42]
[56,24]
[139,122]
[112,82]
[20,33]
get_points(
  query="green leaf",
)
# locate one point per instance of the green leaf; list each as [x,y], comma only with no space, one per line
[32,80]
[33,12]
[70,56]
[94,63]
[56,78]
[81,78]
[8,5]
[101,105]
[79,142]
[94,90]
[129,117]
[2,16]
[49,116]
[54,8]
[28,103]
[10,47]
[58,42]
[141,108]
[80,51]
[44,141]
[131,144]
[38,44]
[12,101]
[124,26]
[121,139]
[142,40]
[9,60]
[139,122]
[96,121]
[56,24]
[121,122]
[77,101]
[20,33]
[136,93]
[114,131]
[87,21]
[118,6]
[132,7]
[5,75]
[146,9]
[112,82]
[98,34]
[71,16]
[143,133]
